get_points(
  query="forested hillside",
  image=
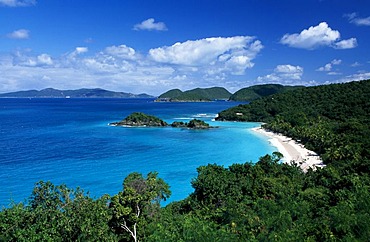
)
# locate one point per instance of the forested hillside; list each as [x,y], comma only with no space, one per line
[254,92]
[197,94]
[331,119]
[266,201]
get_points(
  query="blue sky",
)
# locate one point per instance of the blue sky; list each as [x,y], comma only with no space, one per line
[152,46]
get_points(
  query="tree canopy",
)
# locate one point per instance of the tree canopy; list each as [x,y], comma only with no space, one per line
[138,203]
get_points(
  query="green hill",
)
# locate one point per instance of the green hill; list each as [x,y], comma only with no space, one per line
[197,94]
[254,92]
[173,93]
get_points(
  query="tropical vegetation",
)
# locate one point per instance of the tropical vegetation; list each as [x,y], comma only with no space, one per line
[332,120]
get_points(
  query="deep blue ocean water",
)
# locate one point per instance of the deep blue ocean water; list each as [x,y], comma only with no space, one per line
[69,141]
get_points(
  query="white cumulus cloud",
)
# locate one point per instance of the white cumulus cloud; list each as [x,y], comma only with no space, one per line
[234,54]
[336,62]
[289,72]
[73,58]
[26,58]
[318,36]
[329,66]
[283,74]
[346,44]
[19,34]
[44,59]
[17,3]
[150,24]
[121,51]
[78,51]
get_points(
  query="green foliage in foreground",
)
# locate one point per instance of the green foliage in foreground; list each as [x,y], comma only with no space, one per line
[138,204]
[266,201]
[269,201]
[57,213]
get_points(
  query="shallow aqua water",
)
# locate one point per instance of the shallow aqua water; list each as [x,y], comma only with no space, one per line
[68,141]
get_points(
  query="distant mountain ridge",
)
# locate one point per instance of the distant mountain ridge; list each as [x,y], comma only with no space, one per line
[197,94]
[174,95]
[219,93]
[79,93]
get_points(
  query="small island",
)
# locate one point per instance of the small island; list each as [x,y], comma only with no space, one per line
[138,119]
[193,124]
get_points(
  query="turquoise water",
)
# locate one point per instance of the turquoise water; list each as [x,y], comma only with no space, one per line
[69,141]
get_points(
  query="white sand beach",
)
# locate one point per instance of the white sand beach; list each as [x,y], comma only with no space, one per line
[292,150]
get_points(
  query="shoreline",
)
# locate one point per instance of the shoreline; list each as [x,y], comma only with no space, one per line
[292,150]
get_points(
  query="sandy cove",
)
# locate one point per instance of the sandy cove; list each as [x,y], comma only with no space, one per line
[292,150]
